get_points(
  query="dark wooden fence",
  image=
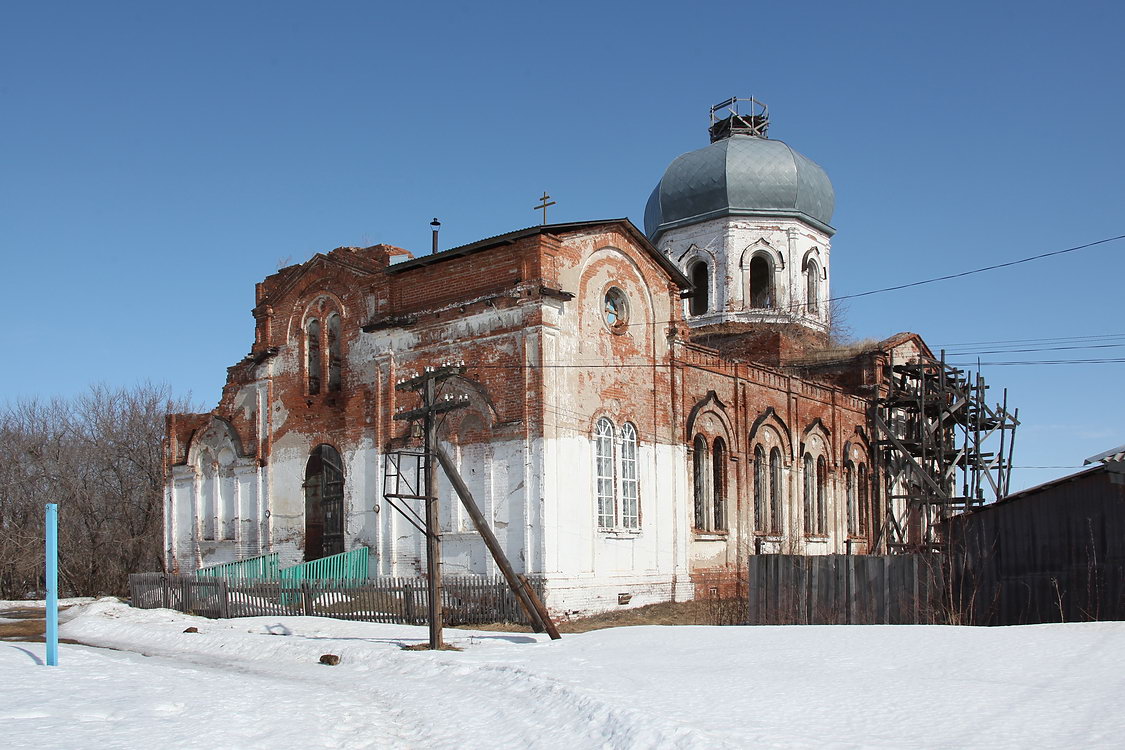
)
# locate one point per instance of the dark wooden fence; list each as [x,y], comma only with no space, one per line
[1055,553]
[846,590]
[466,600]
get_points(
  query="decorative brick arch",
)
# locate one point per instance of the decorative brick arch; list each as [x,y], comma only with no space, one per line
[769,418]
[820,430]
[199,439]
[710,404]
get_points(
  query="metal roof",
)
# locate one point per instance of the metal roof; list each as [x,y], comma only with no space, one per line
[741,175]
[519,234]
[1111,453]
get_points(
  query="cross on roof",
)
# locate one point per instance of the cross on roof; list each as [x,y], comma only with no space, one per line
[543,203]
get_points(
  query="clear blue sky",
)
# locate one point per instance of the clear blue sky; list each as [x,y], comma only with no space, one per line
[159,159]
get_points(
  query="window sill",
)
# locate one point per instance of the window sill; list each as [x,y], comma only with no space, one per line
[710,536]
[768,537]
[816,537]
[620,533]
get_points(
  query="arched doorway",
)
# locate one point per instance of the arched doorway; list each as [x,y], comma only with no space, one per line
[324,503]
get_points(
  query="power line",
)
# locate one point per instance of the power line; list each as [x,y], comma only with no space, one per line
[1036,349]
[982,269]
[797,305]
[1056,339]
[1041,362]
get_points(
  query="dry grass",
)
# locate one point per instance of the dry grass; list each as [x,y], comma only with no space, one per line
[834,354]
[426,647]
[698,612]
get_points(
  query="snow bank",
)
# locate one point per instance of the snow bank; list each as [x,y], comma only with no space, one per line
[256,683]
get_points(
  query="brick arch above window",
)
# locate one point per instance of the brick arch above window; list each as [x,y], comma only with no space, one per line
[214,437]
[314,302]
[817,438]
[710,409]
[769,420]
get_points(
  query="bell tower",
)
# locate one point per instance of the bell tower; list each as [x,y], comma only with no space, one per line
[746,219]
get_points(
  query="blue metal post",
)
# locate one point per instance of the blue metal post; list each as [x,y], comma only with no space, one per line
[52,584]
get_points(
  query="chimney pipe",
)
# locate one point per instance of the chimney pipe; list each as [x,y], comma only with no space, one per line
[436,225]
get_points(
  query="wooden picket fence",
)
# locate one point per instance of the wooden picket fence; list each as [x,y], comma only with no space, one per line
[466,600]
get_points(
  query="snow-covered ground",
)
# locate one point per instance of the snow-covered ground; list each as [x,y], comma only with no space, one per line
[257,683]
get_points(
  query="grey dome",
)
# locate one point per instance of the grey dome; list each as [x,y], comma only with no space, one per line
[740,175]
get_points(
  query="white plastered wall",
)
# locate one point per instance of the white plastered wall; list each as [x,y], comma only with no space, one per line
[588,567]
[728,244]
[213,503]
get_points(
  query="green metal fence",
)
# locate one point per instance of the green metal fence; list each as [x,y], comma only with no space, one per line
[346,566]
[262,567]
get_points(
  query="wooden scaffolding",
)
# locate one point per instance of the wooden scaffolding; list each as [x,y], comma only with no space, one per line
[939,448]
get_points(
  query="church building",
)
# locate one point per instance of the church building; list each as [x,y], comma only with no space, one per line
[645,410]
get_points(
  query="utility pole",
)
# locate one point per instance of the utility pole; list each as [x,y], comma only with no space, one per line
[426,384]
[411,476]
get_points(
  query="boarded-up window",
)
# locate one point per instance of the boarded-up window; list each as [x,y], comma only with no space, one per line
[312,347]
[808,472]
[777,491]
[719,484]
[851,499]
[699,473]
[821,495]
[761,499]
[335,361]
[864,507]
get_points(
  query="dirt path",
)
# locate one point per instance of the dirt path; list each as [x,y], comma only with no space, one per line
[27,625]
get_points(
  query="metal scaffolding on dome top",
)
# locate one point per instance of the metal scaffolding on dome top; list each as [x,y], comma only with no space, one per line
[939,449]
[727,120]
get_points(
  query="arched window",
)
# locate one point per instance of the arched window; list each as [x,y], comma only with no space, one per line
[699,466]
[324,503]
[851,499]
[808,471]
[861,487]
[334,358]
[700,284]
[777,490]
[812,280]
[312,347]
[761,500]
[619,504]
[719,483]
[821,495]
[761,283]
[630,502]
[603,458]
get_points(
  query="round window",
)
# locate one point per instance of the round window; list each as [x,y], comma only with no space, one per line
[616,309]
